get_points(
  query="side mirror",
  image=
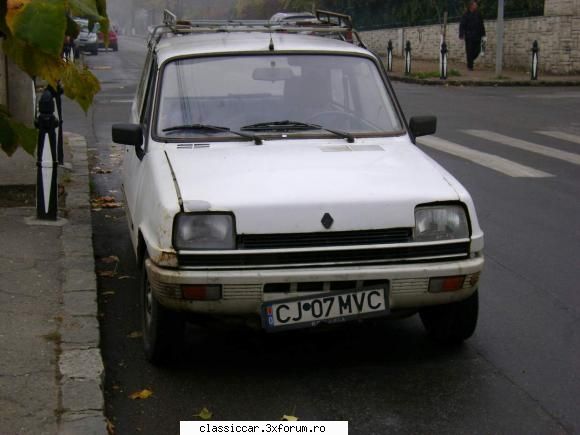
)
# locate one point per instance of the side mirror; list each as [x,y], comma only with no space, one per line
[128,134]
[423,125]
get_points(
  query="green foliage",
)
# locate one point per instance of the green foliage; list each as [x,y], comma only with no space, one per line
[34,32]
[13,133]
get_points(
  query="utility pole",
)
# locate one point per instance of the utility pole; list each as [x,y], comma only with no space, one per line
[499,39]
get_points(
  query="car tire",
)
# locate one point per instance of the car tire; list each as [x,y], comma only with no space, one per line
[115,47]
[162,328]
[95,51]
[452,323]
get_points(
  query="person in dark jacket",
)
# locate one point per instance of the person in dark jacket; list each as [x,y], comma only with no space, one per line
[472,30]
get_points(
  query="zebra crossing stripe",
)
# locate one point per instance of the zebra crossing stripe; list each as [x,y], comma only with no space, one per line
[525,145]
[561,135]
[490,161]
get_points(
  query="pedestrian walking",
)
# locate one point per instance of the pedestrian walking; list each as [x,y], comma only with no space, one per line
[472,30]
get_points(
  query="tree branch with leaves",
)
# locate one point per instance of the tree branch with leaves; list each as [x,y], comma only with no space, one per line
[33,33]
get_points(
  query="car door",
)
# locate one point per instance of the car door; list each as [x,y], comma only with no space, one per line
[133,167]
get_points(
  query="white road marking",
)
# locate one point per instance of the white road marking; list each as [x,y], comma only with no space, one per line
[526,146]
[561,135]
[121,101]
[490,161]
[554,96]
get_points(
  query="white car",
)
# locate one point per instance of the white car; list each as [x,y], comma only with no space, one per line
[273,175]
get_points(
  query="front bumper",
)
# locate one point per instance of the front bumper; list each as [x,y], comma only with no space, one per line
[87,46]
[243,290]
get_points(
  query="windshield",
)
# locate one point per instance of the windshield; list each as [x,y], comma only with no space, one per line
[344,93]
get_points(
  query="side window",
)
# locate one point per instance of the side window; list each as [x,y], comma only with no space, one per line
[148,95]
[143,82]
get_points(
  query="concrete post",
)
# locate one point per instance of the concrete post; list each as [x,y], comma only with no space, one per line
[499,39]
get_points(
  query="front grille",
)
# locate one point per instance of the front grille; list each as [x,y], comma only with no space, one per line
[354,256]
[337,238]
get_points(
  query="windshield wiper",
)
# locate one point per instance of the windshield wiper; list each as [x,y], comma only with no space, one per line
[295,125]
[257,139]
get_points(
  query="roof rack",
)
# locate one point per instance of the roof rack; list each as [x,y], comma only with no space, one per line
[330,24]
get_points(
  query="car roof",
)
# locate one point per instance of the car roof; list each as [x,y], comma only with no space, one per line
[236,42]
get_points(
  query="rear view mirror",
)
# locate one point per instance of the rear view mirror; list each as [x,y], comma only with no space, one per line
[274,74]
[423,125]
[128,134]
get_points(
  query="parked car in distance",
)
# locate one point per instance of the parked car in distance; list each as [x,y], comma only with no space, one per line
[87,39]
[113,41]
[274,176]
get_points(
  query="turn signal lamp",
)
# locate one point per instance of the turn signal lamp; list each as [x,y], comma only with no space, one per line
[446,284]
[201,292]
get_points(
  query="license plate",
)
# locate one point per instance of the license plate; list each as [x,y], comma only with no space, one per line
[335,307]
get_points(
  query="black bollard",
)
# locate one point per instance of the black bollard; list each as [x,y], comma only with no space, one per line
[535,51]
[408,58]
[390,56]
[46,160]
[443,62]
[56,94]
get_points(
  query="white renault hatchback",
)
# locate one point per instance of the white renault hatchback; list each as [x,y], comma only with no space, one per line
[273,174]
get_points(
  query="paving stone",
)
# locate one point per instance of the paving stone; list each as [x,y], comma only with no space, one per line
[77,200]
[82,395]
[81,364]
[82,262]
[78,246]
[77,230]
[80,330]
[80,303]
[79,280]
[80,216]
[85,423]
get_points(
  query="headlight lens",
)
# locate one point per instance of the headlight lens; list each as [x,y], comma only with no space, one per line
[204,231]
[440,222]
[92,37]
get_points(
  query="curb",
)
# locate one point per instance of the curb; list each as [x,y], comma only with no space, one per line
[80,363]
[495,83]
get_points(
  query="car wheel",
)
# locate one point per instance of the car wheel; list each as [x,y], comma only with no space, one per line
[115,47]
[452,323]
[95,51]
[162,328]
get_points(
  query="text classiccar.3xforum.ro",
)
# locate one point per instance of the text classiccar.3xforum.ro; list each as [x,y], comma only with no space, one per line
[266,428]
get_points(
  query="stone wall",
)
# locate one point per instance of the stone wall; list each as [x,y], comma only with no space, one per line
[557,33]
[561,7]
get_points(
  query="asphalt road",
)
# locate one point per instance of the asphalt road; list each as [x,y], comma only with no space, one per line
[518,374]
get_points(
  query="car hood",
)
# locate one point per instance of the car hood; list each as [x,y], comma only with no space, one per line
[287,187]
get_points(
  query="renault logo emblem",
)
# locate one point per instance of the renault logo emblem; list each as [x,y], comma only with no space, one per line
[327,220]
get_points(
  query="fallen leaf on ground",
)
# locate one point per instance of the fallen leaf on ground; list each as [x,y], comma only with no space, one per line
[143,394]
[110,427]
[105,202]
[204,414]
[135,334]
[289,418]
[106,273]
[110,259]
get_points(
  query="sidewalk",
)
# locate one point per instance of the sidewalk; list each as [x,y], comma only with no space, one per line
[427,72]
[50,363]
